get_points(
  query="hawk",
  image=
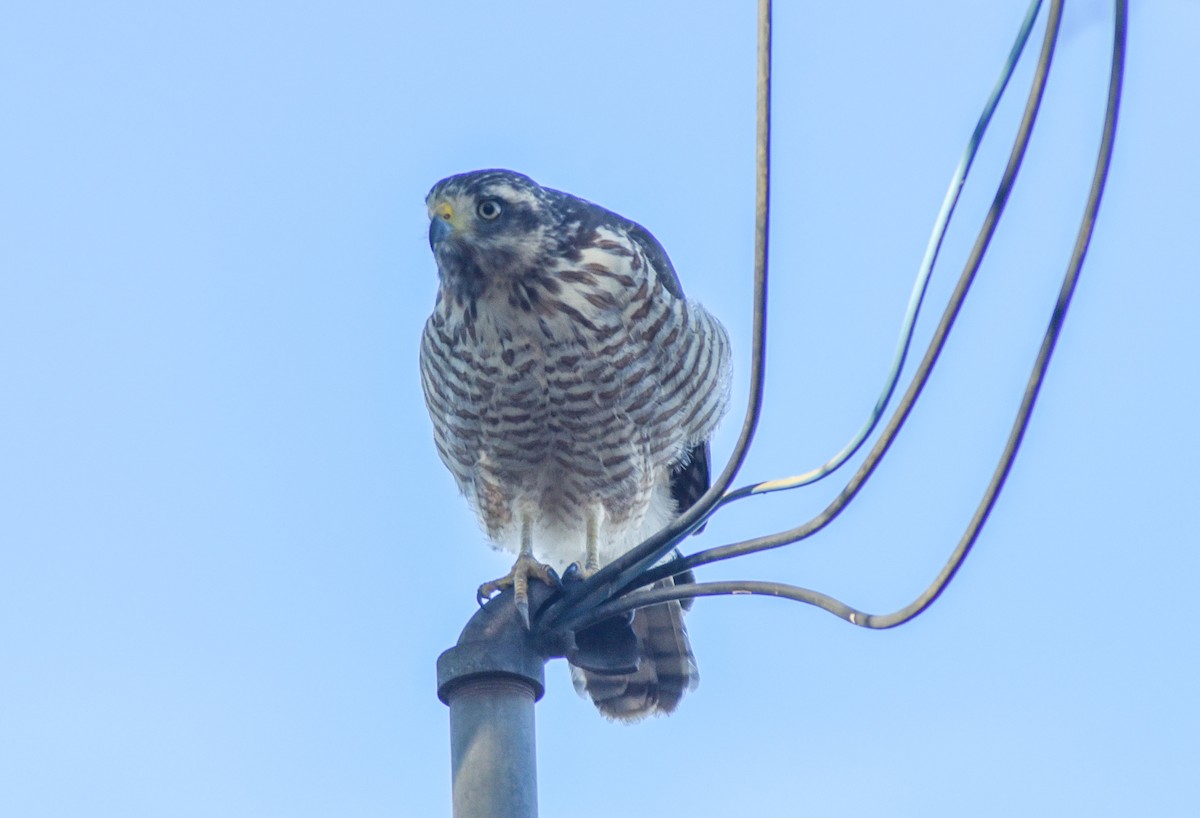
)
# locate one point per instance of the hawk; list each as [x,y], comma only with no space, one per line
[573,390]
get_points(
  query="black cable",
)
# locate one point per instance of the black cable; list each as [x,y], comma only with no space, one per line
[920,287]
[1058,316]
[617,575]
[925,369]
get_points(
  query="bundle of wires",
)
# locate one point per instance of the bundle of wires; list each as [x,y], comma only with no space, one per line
[615,588]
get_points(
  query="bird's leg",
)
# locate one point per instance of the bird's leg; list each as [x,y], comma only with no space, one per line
[591,559]
[591,554]
[525,567]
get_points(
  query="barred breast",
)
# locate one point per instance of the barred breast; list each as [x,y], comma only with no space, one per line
[572,393]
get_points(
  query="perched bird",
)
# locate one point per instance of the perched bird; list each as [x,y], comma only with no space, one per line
[573,390]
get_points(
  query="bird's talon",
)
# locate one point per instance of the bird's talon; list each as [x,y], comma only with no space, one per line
[578,573]
[518,579]
[488,589]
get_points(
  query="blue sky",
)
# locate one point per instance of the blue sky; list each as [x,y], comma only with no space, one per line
[229,555]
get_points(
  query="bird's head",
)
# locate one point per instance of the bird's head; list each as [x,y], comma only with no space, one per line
[490,225]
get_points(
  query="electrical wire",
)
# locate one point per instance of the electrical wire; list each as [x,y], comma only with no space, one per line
[920,286]
[936,344]
[618,574]
[643,598]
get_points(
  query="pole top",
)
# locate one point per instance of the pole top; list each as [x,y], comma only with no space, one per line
[494,643]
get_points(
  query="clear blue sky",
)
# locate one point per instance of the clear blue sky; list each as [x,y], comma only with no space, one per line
[229,555]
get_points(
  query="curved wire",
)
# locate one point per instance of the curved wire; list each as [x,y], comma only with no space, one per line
[921,377]
[920,286]
[616,575]
[1058,316]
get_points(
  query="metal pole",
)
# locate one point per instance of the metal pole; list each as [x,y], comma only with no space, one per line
[492,751]
[491,680]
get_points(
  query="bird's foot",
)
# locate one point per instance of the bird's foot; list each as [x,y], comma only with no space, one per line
[518,579]
[581,571]
[578,572]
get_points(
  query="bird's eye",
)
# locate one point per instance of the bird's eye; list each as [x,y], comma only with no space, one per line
[488,209]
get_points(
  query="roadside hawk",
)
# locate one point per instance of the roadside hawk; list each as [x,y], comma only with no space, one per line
[573,390]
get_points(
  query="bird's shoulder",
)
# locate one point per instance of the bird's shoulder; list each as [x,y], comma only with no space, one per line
[593,225]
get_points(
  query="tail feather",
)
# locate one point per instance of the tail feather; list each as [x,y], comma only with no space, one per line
[666,669]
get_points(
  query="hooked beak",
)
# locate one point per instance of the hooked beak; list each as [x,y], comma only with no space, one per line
[439,229]
[441,224]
